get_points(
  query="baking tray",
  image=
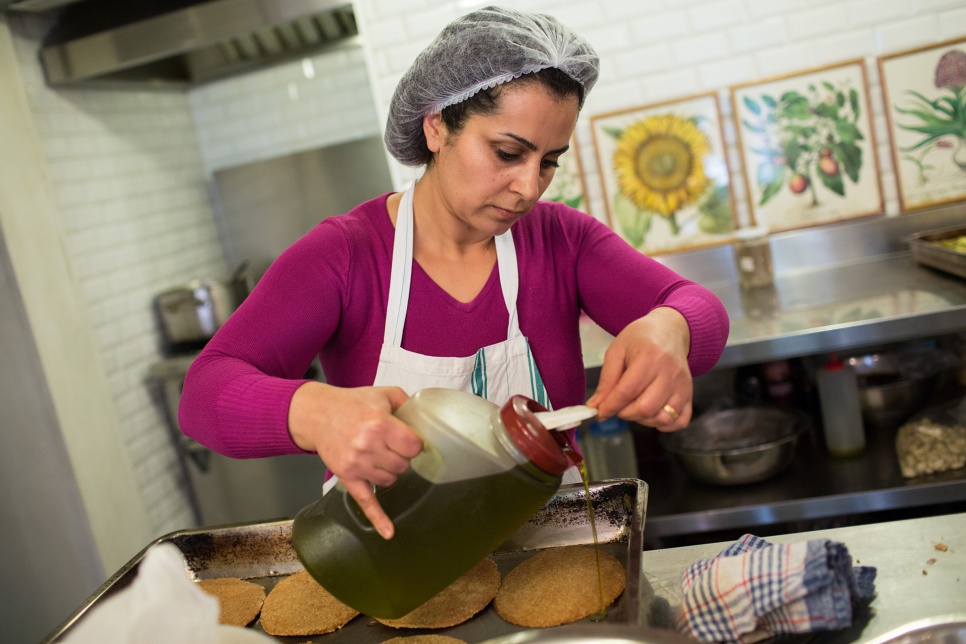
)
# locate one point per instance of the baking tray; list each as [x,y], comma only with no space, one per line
[263,553]
[926,251]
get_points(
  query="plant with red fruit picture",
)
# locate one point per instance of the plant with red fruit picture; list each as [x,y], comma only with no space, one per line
[941,121]
[804,138]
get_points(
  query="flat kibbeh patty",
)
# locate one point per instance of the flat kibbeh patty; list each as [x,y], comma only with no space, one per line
[558,586]
[456,603]
[239,601]
[298,605]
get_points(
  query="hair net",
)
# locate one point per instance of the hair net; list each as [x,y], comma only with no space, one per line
[479,51]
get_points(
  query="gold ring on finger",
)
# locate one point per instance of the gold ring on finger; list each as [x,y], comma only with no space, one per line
[672,412]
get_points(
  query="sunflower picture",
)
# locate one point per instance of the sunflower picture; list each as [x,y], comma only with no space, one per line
[664,174]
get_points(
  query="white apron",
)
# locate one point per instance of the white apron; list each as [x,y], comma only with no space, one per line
[495,372]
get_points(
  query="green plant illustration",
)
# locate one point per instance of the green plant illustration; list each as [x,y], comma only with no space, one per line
[805,136]
[919,160]
[566,186]
[942,120]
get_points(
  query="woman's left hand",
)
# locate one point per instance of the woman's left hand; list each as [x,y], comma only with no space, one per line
[645,377]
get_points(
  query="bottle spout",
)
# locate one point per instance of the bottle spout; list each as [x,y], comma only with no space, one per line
[566,418]
[560,420]
[551,451]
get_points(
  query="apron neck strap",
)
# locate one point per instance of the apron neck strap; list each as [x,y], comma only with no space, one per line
[402,269]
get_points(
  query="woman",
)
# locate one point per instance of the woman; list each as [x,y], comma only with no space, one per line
[464,281]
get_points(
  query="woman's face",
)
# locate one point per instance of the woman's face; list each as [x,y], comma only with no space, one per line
[495,169]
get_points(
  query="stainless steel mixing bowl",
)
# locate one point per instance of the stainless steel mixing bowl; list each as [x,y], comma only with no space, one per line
[894,386]
[737,446]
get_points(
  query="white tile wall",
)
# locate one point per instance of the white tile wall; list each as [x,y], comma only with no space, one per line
[657,50]
[127,175]
[129,168]
[318,101]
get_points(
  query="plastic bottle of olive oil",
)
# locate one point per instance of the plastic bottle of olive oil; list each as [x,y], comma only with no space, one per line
[484,471]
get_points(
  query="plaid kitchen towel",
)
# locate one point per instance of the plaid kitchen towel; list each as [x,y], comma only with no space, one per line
[754,590]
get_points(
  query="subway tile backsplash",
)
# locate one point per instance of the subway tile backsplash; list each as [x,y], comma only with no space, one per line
[294,107]
[126,172]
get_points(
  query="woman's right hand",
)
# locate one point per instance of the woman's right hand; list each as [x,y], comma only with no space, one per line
[355,433]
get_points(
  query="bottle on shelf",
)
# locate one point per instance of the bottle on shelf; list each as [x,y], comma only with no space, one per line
[609,451]
[753,257]
[779,382]
[838,395]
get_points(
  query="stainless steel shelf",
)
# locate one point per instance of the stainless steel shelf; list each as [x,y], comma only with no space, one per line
[816,486]
[836,288]
[876,300]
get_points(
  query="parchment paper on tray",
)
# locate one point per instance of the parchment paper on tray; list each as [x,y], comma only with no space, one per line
[162,605]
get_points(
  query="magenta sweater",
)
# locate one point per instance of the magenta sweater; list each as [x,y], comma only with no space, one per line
[326,296]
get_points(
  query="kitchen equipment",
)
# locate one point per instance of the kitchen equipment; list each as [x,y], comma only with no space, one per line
[299,190]
[223,490]
[189,315]
[895,385]
[941,629]
[737,446]
[838,395]
[181,42]
[483,472]
[928,252]
[263,553]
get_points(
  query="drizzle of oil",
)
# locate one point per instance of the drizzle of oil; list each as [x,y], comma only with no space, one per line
[601,614]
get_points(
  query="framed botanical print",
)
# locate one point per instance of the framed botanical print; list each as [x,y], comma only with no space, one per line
[664,174]
[924,91]
[567,185]
[807,147]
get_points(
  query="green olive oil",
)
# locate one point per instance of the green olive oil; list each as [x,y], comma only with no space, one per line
[442,530]
[601,614]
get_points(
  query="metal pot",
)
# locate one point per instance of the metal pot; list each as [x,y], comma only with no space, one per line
[190,314]
[894,386]
[737,446]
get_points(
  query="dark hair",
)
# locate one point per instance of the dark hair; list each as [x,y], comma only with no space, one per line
[487,101]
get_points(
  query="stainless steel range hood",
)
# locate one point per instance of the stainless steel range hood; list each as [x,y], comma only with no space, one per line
[192,43]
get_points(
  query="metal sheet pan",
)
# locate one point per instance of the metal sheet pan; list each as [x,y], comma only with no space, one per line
[263,553]
[926,251]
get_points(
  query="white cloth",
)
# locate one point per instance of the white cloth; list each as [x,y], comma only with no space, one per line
[160,606]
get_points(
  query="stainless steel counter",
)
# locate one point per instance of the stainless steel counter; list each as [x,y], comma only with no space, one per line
[914,580]
[836,288]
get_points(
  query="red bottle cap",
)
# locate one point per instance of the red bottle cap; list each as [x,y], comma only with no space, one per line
[551,451]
